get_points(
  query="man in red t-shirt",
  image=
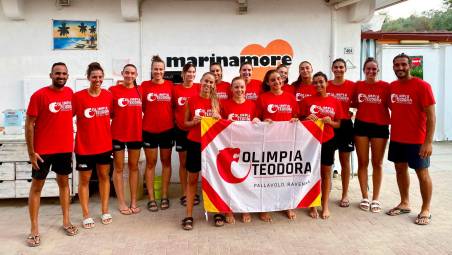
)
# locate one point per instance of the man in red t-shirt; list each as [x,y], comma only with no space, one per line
[412,127]
[49,137]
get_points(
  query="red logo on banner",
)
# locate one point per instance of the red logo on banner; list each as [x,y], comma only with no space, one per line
[224,164]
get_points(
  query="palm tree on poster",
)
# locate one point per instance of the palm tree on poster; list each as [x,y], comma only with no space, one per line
[82,27]
[63,29]
[92,29]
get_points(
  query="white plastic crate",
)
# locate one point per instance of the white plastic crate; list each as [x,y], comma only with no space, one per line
[7,189]
[23,171]
[50,188]
[7,171]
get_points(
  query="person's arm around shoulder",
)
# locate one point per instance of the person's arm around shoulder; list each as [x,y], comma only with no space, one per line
[29,137]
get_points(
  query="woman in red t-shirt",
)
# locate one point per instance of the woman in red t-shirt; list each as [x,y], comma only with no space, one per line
[303,85]
[222,87]
[204,105]
[92,108]
[253,87]
[276,105]
[238,108]
[126,110]
[371,128]
[344,91]
[181,94]
[283,70]
[328,110]
[158,123]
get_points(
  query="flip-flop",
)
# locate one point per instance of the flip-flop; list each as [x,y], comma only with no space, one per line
[183,200]
[344,203]
[397,211]
[88,223]
[187,223]
[70,230]
[423,220]
[135,210]
[33,240]
[106,218]
[152,206]
[127,211]
[219,220]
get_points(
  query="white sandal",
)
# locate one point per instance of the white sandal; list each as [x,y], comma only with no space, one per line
[106,218]
[375,206]
[88,223]
[364,204]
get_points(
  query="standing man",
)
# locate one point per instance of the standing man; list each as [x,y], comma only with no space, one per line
[49,136]
[412,127]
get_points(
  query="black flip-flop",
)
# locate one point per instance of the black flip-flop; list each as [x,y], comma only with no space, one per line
[397,211]
[183,200]
[152,206]
[187,223]
[219,220]
[422,217]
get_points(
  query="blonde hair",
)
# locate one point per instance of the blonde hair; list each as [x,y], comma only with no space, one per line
[213,94]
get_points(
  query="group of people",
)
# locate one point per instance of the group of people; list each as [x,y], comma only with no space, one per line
[158,114]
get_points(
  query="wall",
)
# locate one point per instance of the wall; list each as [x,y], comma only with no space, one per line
[437,71]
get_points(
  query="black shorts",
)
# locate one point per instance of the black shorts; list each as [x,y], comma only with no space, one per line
[60,163]
[89,162]
[164,140]
[327,156]
[181,139]
[119,146]
[371,130]
[407,153]
[344,136]
[193,163]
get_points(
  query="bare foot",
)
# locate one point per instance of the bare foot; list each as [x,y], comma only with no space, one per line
[291,214]
[325,214]
[246,217]
[230,218]
[265,216]
[313,213]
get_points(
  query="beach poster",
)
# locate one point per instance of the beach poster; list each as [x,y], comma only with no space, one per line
[417,66]
[74,35]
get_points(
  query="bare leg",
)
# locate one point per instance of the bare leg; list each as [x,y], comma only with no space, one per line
[103,173]
[378,146]
[403,182]
[134,157]
[425,183]
[191,191]
[344,158]
[34,201]
[83,191]
[63,185]
[326,184]
[165,157]
[183,172]
[118,179]
[362,151]
[151,161]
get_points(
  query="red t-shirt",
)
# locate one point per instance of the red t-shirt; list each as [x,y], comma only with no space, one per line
[277,107]
[322,107]
[53,132]
[180,96]
[407,102]
[289,88]
[253,89]
[126,123]
[198,106]
[245,111]
[345,93]
[372,102]
[304,91]
[157,106]
[93,122]
[223,90]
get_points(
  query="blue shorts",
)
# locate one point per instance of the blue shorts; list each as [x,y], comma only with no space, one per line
[407,153]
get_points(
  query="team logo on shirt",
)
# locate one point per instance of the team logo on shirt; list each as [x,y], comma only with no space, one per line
[401,99]
[340,96]
[239,117]
[371,98]
[151,97]
[251,96]
[273,108]
[300,96]
[222,95]
[123,102]
[96,112]
[55,107]
[324,110]
[181,101]
[203,113]
[227,163]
